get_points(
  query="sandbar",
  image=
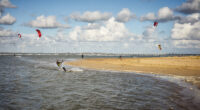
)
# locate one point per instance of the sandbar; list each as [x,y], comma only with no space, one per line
[180,66]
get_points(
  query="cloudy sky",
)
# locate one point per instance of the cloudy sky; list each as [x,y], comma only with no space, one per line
[106,26]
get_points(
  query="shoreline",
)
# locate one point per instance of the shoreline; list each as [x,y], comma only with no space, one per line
[188,66]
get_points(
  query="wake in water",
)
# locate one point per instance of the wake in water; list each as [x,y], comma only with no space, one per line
[51,65]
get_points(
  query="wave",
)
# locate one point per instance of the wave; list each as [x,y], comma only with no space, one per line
[189,89]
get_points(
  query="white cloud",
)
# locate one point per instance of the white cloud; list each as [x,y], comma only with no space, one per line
[92,26]
[191,6]
[186,31]
[164,14]
[131,39]
[186,43]
[125,15]
[126,45]
[192,18]
[6,4]
[61,36]
[148,17]
[7,19]
[91,16]
[46,22]
[7,33]
[109,31]
[149,31]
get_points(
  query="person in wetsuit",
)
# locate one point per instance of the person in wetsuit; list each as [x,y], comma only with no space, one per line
[60,65]
[82,56]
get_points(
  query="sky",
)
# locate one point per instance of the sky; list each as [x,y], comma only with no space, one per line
[100,26]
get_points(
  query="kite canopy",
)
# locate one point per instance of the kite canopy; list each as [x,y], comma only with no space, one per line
[19,35]
[159,47]
[155,24]
[39,33]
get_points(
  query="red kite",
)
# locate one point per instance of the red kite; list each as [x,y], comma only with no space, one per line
[155,24]
[39,33]
[19,35]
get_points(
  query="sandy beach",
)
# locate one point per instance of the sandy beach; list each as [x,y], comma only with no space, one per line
[180,66]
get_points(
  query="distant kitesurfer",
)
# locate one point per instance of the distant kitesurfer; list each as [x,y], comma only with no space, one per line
[159,47]
[82,56]
[120,57]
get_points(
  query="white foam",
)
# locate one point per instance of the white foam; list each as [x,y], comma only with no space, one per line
[18,56]
[76,69]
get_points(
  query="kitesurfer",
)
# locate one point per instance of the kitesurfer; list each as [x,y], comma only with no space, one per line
[82,56]
[60,65]
[159,47]
[120,57]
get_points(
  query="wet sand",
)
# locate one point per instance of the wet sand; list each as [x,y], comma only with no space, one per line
[180,66]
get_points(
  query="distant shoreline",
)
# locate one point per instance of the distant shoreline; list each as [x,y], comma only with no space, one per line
[114,55]
[180,66]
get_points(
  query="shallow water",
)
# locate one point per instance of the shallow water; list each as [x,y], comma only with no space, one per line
[34,82]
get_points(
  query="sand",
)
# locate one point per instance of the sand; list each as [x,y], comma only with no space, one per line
[180,66]
[186,66]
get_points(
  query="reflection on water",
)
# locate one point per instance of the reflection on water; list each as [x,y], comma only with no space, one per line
[35,83]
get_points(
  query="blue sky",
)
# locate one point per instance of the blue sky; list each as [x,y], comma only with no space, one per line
[108,26]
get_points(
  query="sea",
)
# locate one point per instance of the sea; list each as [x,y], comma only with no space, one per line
[34,82]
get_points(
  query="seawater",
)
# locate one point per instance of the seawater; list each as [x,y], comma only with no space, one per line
[35,82]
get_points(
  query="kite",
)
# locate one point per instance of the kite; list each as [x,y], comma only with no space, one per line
[39,33]
[19,35]
[155,24]
[159,47]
